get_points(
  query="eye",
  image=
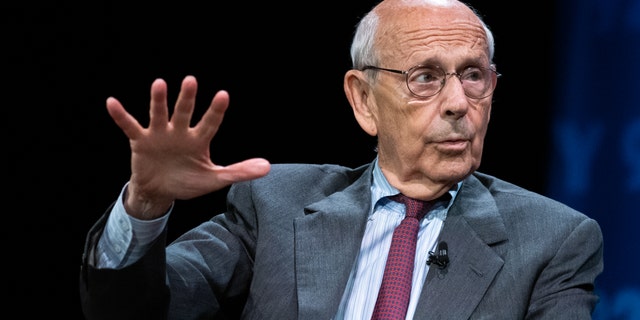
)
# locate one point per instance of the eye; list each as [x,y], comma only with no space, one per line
[425,75]
[473,74]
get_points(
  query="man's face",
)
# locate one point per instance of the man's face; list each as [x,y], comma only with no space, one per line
[439,138]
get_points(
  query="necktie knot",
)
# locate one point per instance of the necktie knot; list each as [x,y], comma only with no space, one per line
[414,208]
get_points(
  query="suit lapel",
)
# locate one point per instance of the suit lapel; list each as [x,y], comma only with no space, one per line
[472,226]
[327,242]
[328,238]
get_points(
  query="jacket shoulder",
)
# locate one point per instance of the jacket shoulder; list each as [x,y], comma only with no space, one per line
[299,178]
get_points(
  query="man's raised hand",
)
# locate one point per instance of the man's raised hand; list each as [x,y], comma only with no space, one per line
[170,159]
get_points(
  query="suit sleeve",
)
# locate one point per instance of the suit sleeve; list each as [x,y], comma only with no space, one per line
[565,287]
[135,292]
[203,274]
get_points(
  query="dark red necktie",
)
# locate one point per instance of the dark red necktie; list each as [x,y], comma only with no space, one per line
[393,297]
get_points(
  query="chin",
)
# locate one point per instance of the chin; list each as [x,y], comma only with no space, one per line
[454,172]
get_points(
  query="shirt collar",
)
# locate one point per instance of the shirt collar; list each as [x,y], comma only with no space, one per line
[380,187]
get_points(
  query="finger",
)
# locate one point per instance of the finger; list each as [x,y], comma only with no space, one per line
[158,110]
[185,104]
[129,125]
[212,118]
[242,171]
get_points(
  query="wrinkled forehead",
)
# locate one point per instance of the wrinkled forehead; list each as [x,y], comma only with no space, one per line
[403,31]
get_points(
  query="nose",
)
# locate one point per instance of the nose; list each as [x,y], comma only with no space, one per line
[455,102]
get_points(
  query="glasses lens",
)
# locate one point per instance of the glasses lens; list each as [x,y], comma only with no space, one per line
[425,81]
[477,82]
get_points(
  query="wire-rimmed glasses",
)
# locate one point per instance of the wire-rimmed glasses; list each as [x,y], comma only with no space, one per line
[428,80]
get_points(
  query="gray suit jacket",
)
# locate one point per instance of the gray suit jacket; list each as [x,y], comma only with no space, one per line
[287,242]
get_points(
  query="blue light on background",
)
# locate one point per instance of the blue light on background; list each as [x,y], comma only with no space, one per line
[595,160]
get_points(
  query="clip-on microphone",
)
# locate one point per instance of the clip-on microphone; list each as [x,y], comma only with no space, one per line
[441,257]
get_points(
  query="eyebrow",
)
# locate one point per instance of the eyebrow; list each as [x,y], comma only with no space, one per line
[471,61]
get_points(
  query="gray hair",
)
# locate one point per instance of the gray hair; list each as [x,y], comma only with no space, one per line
[362,47]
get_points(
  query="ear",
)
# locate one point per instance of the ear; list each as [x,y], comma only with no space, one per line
[357,89]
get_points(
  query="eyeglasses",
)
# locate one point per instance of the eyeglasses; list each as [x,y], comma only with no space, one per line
[425,80]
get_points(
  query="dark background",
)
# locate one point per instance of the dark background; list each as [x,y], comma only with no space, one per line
[283,65]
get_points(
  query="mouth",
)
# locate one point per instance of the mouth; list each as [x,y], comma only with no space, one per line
[453,146]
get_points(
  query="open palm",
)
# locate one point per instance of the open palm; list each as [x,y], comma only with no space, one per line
[170,159]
